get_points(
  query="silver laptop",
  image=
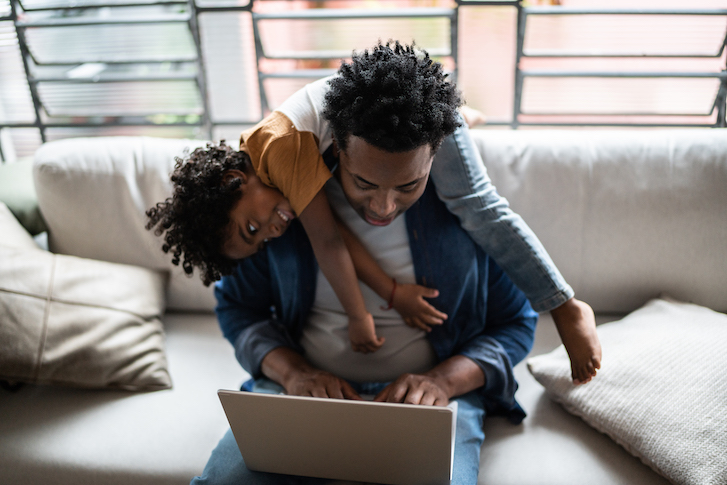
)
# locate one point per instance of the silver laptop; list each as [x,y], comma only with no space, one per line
[363,441]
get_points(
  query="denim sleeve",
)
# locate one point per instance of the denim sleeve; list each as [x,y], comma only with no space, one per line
[507,338]
[244,311]
[462,183]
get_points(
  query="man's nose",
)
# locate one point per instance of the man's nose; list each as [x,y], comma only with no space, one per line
[383,204]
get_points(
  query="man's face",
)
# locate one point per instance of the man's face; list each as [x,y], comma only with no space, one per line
[381,185]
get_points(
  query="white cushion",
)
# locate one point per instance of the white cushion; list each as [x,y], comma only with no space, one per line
[660,392]
[625,215]
[79,322]
[13,234]
[93,194]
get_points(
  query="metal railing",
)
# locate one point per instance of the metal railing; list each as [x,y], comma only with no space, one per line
[189,66]
[521,74]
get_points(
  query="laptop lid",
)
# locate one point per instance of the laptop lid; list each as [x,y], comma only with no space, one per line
[397,444]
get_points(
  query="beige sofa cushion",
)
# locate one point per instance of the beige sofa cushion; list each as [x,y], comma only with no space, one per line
[93,194]
[79,322]
[660,392]
[625,214]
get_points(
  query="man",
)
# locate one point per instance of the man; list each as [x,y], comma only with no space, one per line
[301,345]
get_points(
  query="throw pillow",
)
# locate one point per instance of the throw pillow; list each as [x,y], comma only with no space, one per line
[13,234]
[78,322]
[18,193]
[661,392]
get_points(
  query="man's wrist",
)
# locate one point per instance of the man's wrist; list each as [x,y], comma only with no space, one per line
[457,375]
[284,366]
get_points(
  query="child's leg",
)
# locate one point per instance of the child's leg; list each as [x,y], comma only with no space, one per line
[576,326]
[462,183]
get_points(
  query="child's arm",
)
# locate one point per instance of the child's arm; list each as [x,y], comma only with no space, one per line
[335,262]
[408,300]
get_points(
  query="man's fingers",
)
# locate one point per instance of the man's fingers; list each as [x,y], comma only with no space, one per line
[398,392]
[318,392]
[383,395]
[413,396]
[428,399]
[334,390]
[349,393]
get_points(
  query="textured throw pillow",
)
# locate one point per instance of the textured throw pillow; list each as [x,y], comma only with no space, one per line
[661,392]
[79,322]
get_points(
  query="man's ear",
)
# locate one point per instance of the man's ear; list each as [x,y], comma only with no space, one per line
[335,147]
[232,174]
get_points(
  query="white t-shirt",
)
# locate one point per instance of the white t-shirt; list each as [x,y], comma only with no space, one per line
[325,337]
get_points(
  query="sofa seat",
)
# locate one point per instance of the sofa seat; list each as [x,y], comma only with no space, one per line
[72,436]
[77,436]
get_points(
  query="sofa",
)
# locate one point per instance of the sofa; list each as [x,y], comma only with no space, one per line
[629,217]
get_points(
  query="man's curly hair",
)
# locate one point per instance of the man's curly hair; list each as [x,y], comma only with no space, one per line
[394,97]
[196,216]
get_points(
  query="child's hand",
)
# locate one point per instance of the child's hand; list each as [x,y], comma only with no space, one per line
[362,334]
[415,310]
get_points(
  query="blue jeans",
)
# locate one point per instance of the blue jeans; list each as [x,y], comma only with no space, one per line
[226,466]
[462,183]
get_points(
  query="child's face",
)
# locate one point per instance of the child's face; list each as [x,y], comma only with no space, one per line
[260,214]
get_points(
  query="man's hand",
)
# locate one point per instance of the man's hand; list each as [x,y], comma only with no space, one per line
[450,378]
[318,383]
[289,369]
[414,389]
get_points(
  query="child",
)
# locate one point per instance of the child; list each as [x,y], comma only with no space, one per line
[221,212]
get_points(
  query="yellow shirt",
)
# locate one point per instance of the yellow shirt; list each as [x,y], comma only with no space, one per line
[286,158]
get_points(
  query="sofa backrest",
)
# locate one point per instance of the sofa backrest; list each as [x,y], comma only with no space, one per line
[93,194]
[625,215]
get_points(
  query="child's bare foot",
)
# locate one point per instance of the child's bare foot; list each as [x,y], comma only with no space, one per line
[362,333]
[472,116]
[576,325]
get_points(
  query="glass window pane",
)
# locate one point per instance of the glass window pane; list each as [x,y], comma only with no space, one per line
[121,99]
[619,96]
[625,34]
[19,142]
[337,38]
[16,104]
[111,43]
[229,52]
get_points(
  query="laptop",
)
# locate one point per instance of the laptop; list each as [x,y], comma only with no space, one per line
[363,441]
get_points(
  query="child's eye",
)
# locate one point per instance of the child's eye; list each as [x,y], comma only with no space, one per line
[251,229]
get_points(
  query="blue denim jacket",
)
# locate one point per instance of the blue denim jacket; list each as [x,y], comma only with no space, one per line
[266,302]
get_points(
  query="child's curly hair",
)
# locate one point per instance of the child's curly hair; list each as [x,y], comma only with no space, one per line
[394,97]
[196,216]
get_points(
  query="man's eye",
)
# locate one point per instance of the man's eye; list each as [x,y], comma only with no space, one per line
[251,229]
